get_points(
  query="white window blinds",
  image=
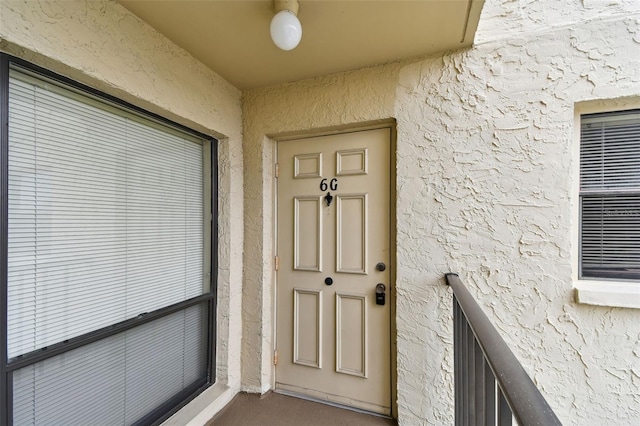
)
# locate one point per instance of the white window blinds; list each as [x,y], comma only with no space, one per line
[117,380]
[610,195]
[106,215]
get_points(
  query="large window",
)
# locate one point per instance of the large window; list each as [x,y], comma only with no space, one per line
[107,238]
[610,195]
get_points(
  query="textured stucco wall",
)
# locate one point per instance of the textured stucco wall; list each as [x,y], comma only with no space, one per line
[486,172]
[101,44]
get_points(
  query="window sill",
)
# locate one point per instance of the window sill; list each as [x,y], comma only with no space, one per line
[203,407]
[608,293]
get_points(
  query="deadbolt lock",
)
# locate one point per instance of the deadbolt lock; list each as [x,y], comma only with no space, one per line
[381,267]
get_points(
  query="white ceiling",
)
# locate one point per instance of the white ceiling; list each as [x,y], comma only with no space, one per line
[232,36]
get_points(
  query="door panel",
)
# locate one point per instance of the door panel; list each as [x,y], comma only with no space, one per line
[333,340]
[308,234]
[307,327]
[307,165]
[352,162]
[351,334]
[351,234]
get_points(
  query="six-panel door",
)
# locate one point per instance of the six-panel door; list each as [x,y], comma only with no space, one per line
[333,339]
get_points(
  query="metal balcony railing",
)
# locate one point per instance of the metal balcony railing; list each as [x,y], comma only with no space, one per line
[491,387]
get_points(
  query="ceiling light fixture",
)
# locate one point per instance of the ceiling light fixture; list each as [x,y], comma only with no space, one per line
[286,30]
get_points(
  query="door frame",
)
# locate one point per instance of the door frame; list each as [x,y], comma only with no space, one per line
[357,127]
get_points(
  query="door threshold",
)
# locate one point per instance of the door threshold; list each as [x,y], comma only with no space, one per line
[330,403]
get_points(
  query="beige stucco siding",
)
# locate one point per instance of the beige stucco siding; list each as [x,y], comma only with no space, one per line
[486,178]
[101,44]
[493,161]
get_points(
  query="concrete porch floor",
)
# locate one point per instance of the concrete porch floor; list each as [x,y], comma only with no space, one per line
[281,410]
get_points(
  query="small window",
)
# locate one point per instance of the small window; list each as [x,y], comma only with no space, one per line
[610,196]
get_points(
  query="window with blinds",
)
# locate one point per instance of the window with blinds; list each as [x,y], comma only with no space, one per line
[109,223]
[117,380]
[610,195]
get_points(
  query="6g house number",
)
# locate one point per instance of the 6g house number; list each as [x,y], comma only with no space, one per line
[332,185]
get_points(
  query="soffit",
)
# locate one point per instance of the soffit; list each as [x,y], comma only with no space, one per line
[232,37]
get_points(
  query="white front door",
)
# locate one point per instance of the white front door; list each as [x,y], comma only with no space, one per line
[333,286]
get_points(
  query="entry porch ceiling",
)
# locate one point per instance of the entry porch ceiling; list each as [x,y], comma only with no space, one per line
[232,37]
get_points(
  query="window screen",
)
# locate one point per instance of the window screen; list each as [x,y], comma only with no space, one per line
[610,195]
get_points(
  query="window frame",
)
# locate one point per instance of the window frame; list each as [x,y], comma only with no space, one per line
[7,367]
[606,292]
[603,273]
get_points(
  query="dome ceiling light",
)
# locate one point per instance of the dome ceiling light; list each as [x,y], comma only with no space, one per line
[286,30]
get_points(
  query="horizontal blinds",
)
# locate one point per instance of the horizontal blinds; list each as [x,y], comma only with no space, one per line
[117,380]
[610,153]
[610,196]
[611,233]
[106,214]
[163,359]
